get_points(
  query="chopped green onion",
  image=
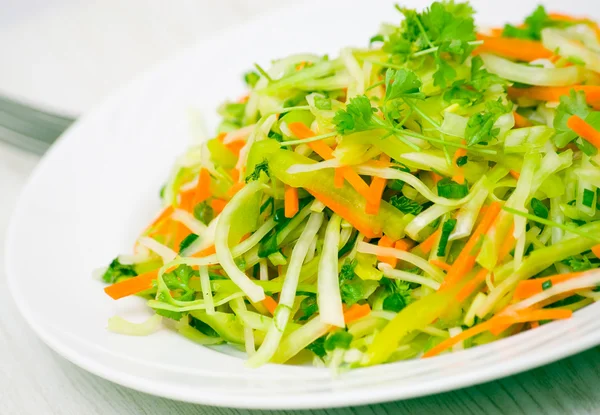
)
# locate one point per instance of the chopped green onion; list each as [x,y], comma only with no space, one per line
[449,189]
[447,229]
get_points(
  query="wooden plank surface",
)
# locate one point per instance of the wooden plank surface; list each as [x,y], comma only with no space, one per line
[34,380]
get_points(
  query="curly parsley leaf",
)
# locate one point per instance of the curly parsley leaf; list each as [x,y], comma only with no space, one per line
[533,25]
[117,270]
[577,265]
[262,167]
[402,83]
[480,126]
[573,104]
[358,116]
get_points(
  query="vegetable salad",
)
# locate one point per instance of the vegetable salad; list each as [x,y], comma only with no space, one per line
[431,192]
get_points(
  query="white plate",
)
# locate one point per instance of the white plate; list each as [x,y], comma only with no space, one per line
[95,190]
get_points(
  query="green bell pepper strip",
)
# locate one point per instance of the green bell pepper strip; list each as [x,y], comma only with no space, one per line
[413,317]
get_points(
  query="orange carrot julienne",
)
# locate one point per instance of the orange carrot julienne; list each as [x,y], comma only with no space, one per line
[520,49]
[584,130]
[534,324]
[338,178]
[386,242]
[440,264]
[520,121]
[290,201]
[302,131]
[403,244]
[186,200]
[508,243]
[218,205]
[596,251]
[203,187]
[356,312]
[553,93]
[528,288]
[522,317]
[345,213]
[464,335]
[168,211]
[270,304]
[428,243]
[356,182]
[436,177]
[515,174]
[377,187]
[235,174]
[472,285]
[459,176]
[131,286]
[236,187]
[466,259]
[235,146]
[205,252]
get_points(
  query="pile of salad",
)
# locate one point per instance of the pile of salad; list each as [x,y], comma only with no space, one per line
[432,192]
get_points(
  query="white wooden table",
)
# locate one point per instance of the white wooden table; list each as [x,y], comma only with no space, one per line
[35,380]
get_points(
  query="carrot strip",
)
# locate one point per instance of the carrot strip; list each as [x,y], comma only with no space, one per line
[235,174]
[131,286]
[534,324]
[218,205]
[459,175]
[528,288]
[345,213]
[387,243]
[270,304]
[376,189]
[290,201]
[466,260]
[440,264]
[235,147]
[428,243]
[338,178]
[596,251]
[520,121]
[356,182]
[168,211]
[584,130]
[508,243]
[205,252]
[520,49]
[236,187]
[464,335]
[435,177]
[356,312]
[522,317]
[553,93]
[403,244]
[515,174]
[472,285]
[186,200]
[302,131]
[203,187]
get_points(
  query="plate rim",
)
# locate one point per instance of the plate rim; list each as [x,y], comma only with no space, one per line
[336,399]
